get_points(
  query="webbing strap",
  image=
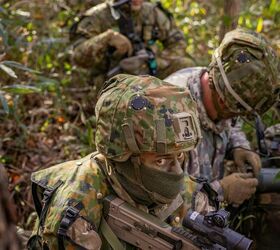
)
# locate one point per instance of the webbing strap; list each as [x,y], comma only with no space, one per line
[110,236]
[161,136]
[70,215]
[129,137]
[47,196]
[228,86]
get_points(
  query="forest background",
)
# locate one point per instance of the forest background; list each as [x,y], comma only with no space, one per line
[47,103]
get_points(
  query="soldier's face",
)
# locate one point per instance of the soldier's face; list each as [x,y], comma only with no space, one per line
[168,163]
[136,5]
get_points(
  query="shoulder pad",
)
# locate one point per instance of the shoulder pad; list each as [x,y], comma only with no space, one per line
[61,171]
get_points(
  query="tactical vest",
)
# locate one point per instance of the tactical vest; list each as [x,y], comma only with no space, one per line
[67,193]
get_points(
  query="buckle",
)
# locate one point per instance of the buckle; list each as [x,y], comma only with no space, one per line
[47,194]
[72,212]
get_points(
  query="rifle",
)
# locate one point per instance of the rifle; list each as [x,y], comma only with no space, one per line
[145,231]
[270,165]
[268,182]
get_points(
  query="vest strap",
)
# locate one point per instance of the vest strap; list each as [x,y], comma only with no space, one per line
[110,236]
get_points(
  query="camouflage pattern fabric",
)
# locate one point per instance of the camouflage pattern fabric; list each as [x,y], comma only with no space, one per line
[84,182]
[76,188]
[252,69]
[272,139]
[217,138]
[143,102]
[92,48]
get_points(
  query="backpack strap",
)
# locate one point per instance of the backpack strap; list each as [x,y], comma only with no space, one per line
[41,206]
[47,197]
[70,215]
[110,236]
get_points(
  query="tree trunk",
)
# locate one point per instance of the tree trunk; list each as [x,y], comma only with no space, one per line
[230,18]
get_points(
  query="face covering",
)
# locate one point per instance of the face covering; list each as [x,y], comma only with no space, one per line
[153,187]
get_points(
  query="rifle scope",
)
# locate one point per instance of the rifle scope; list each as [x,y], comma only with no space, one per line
[213,227]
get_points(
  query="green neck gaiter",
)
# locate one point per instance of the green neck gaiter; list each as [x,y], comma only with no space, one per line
[154,187]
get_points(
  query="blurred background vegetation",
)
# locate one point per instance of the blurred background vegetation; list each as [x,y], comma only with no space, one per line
[46,110]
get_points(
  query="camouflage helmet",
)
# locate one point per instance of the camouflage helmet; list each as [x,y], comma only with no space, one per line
[138,114]
[244,71]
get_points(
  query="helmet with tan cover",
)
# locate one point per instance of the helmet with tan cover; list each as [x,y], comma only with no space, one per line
[244,71]
[138,114]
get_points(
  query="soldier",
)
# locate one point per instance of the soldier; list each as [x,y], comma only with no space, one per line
[145,128]
[241,80]
[123,36]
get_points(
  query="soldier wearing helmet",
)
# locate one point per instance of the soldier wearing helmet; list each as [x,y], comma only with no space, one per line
[240,80]
[122,37]
[145,130]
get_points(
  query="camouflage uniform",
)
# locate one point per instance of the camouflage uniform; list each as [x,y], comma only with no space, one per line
[272,139]
[241,66]
[207,159]
[151,24]
[72,208]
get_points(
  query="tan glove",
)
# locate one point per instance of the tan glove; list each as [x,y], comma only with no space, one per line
[121,43]
[238,187]
[243,156]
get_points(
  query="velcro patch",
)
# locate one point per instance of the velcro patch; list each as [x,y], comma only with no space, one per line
[184,127]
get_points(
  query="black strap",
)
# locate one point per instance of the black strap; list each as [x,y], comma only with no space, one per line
[260,135]
[211,193]
[47,195]
[36,200]
[70,215]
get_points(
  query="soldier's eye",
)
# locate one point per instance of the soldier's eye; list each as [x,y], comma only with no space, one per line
[180,156]
[161,162]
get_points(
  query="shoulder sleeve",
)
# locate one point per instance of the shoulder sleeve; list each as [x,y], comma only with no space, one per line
[95,21]
[168,33]
[237,137]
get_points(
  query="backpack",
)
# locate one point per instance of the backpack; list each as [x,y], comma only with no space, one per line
[67,193]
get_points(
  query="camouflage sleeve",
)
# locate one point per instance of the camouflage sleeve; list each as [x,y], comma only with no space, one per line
[237,137]
[92,34]
[172,38]
[92,52]
[173,56]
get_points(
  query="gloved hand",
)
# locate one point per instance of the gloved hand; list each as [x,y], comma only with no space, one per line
[243,156]
[121,43]
[238,187]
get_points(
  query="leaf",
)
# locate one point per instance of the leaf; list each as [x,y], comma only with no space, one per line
[48,84]
[8,70]
[273,7]
[20,89]
[260,25]
[277,177]
[4,34]
[4,104]
[19,66]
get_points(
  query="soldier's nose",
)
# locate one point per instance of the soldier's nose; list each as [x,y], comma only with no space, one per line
[176,166]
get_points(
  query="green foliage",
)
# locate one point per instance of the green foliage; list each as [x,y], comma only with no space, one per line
[47,104]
